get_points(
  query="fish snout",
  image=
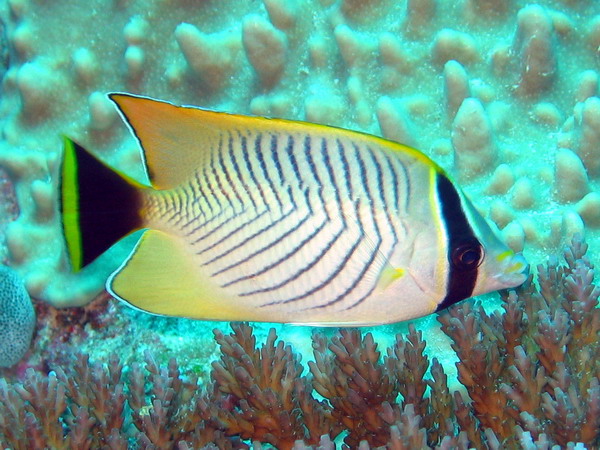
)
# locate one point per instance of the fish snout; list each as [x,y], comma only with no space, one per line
[516,270]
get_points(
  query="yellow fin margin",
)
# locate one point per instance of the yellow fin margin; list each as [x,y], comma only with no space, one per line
[70,204]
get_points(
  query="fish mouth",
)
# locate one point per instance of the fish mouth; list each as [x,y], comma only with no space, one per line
[516,271]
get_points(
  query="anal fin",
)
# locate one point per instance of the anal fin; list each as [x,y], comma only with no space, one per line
[161,277]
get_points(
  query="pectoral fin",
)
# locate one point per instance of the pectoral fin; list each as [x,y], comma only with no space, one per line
[390,274]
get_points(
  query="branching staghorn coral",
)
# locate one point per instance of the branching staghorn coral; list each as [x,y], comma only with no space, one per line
[530,375]
[357,384]
[266,396]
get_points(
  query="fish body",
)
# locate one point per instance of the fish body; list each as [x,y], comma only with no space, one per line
[249,218]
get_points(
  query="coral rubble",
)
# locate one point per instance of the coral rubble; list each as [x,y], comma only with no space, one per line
[529,375]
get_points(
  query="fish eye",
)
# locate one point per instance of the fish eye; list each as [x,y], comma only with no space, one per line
[467,256]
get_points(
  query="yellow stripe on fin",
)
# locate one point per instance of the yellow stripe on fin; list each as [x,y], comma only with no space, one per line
[69,191]
[160,277]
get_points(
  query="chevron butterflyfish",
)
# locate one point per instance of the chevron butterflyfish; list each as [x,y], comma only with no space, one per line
[250,218]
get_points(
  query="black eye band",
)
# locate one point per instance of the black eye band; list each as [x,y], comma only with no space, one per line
[465,253]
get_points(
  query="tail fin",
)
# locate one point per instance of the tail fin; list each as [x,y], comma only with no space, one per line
[99,206]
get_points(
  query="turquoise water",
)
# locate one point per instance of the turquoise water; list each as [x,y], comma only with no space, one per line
[523,145]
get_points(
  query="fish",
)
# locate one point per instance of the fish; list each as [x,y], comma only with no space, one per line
[248,218]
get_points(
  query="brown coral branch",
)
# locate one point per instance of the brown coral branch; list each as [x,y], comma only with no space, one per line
[526,383]
[45,402]
[349,374]
[442,418]
[409,363]
[260,385]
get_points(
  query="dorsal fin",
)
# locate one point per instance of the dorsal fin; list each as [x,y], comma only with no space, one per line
[174,139]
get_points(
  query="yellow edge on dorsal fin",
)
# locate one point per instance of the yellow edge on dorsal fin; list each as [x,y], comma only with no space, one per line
[160,277]
[175,139]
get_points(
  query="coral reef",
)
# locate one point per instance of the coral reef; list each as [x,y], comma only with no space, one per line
[503,94]
[529,378]
[9,210]
[3,49]
[17,318]
[532,372]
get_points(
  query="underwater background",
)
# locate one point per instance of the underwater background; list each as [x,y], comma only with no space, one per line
[503,94]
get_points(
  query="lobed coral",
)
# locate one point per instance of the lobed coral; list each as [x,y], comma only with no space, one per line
[17,318]
[9,210]
[503,94]
[529,379]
